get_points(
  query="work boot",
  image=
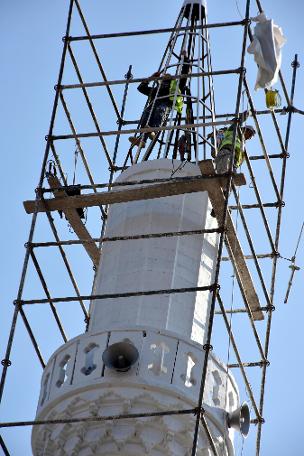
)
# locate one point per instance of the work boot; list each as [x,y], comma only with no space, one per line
[137,142]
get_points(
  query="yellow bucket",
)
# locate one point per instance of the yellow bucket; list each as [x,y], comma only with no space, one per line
[273,99]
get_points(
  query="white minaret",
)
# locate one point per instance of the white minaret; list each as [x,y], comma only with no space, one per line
[168,331]
[143,354]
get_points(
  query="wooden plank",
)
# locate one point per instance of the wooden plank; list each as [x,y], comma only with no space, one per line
[75,221]
[61,203]
[234,248]
[114,197]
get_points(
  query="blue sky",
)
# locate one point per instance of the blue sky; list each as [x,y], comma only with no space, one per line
[30,50]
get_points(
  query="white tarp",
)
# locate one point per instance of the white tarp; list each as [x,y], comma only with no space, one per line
[266,46]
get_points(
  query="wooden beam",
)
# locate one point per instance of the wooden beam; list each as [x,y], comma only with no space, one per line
[75,221]
[62,202]
[233,245]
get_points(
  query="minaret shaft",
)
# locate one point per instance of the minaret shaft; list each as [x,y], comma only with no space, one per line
[164,263]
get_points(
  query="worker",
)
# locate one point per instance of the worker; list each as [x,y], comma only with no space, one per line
[225,149]
[161,99]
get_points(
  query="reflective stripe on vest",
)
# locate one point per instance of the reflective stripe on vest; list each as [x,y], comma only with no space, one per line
[179,102]
[228,141]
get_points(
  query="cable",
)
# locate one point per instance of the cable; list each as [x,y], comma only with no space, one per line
[76,153]
[238,9]
[293,265]
[299,240]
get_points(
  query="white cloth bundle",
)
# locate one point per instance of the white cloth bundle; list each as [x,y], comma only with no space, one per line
[266,46]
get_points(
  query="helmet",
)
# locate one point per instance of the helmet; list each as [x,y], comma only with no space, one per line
[249,128]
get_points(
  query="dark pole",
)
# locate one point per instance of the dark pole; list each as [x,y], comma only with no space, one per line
[6,361]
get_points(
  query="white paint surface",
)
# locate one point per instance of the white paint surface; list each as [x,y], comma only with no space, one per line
[158,263]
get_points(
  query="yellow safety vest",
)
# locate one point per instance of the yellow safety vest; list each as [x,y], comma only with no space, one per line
[179,102]
[227,142]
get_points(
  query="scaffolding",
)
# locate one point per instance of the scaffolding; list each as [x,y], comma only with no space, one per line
[55,194]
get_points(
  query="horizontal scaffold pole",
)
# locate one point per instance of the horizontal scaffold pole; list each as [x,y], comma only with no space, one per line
[158,78]
[93,419]
[140,130]
[155,31]
[116,295]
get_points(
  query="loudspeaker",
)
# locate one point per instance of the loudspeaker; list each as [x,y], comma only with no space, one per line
[240,419]
[120,356]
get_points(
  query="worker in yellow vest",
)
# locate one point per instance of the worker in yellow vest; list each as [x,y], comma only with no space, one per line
[167,94]
[225,149]
[161,99]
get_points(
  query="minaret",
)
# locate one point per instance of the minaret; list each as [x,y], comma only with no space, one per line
[143,353]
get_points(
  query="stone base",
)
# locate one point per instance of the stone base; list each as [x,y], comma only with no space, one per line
[157,436]
[166,376]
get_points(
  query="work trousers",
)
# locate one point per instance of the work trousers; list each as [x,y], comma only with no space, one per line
[158,115]
[223,161]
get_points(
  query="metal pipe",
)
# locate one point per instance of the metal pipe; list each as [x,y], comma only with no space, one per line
[80,149]
[260,204]
[4,447]
[295,66]
[115,295]
[254,364]
[33,223]
[127,238]
[140,130]
[229,114]
[154,31]
[209,435]
[249,311]
[251,246]
[262,157]
[128,77]
[32,337]
[46,290]
[97,58]
[236,311]
[87,98]
[79,146]
[251,257]
[151,78]
[259,132]
[67,264]
[97,419]
[237,355]
[221,242]
[255,206]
